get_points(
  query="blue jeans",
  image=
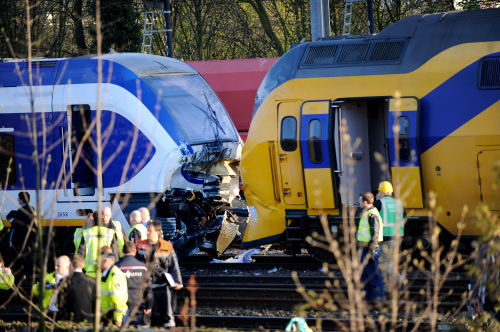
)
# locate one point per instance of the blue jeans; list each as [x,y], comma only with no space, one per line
[373,284]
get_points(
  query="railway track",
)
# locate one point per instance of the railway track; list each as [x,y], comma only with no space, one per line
[279,292]
[260,323]
[252,323]
[262,294]
[259,262]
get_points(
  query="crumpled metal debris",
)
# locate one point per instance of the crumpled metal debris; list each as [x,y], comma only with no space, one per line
[244,257]
[228,232]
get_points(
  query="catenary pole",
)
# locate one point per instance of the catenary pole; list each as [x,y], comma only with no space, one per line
[168,27]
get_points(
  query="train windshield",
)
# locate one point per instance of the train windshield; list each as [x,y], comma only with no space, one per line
[194,106]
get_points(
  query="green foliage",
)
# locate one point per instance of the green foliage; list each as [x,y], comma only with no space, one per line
[202,29]
[121,26]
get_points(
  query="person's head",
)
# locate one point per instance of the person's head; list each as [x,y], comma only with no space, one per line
[78,262]
[145,216]
[89,221]
[24,197]
[108,258]
[129,248]
[62,265]
[135,218]
[98,220]
[106,215]
[385,189]
[366,200]
[154,231]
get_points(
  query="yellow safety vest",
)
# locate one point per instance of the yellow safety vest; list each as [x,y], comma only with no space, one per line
[363,234]
[142,230]
[50,284]
[119,236]
[6,280]
[77,238]
[114,293]
[95,237]
[1,223]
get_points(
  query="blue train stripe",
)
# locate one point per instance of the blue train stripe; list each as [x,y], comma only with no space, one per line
[84,71]
[121,135]
[459,93]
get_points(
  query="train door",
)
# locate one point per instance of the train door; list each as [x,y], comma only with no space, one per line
[402,140]
[317,160]
[75,158]
[289,154]
[355,175]
[488,178]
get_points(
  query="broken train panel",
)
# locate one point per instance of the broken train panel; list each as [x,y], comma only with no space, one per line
[165,133]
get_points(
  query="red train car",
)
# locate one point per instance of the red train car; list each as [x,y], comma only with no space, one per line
[236,83]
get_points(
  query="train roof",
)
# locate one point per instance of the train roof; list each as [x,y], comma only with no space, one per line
[147,64]
[402,47]
[11,70]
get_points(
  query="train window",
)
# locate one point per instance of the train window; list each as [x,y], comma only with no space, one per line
[289,133]
[7,160]
[314,142]
[194,106]
[83,177]
[404,138]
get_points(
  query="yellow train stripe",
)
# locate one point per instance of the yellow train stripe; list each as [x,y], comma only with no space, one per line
[56,222]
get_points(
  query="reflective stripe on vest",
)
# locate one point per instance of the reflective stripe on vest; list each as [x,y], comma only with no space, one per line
[96,237]
[363,234]
[141,229]
[50,282]
[114,293]
[77,238]
[119,234]
[392,216]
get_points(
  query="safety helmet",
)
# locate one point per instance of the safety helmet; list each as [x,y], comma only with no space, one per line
[385,187]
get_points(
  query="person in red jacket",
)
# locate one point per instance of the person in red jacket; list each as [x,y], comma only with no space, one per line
[161,260]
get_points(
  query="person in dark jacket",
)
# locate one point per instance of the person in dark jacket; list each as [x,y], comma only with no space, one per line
[161,260]
[140,298]
[22,221]
[22,238]
[76,301]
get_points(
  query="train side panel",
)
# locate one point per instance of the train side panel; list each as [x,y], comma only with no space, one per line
[452,110]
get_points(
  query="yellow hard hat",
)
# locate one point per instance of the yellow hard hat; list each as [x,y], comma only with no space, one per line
[385,187]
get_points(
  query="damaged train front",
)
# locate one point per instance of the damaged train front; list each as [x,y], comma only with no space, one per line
[201,208]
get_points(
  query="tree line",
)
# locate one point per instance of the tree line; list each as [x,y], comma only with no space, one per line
[202,29]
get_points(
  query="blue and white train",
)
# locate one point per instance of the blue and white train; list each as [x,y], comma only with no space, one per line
[167,140]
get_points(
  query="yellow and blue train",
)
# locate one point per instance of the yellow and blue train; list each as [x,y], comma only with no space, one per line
[417,103]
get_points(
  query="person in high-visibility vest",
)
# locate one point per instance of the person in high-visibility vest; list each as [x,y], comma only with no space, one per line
[138,231]
[116,227]
[114,292]
[6,276]
[392,214]
[78,234]
[368,236]
[52,281]
[1,223]
[93,239]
